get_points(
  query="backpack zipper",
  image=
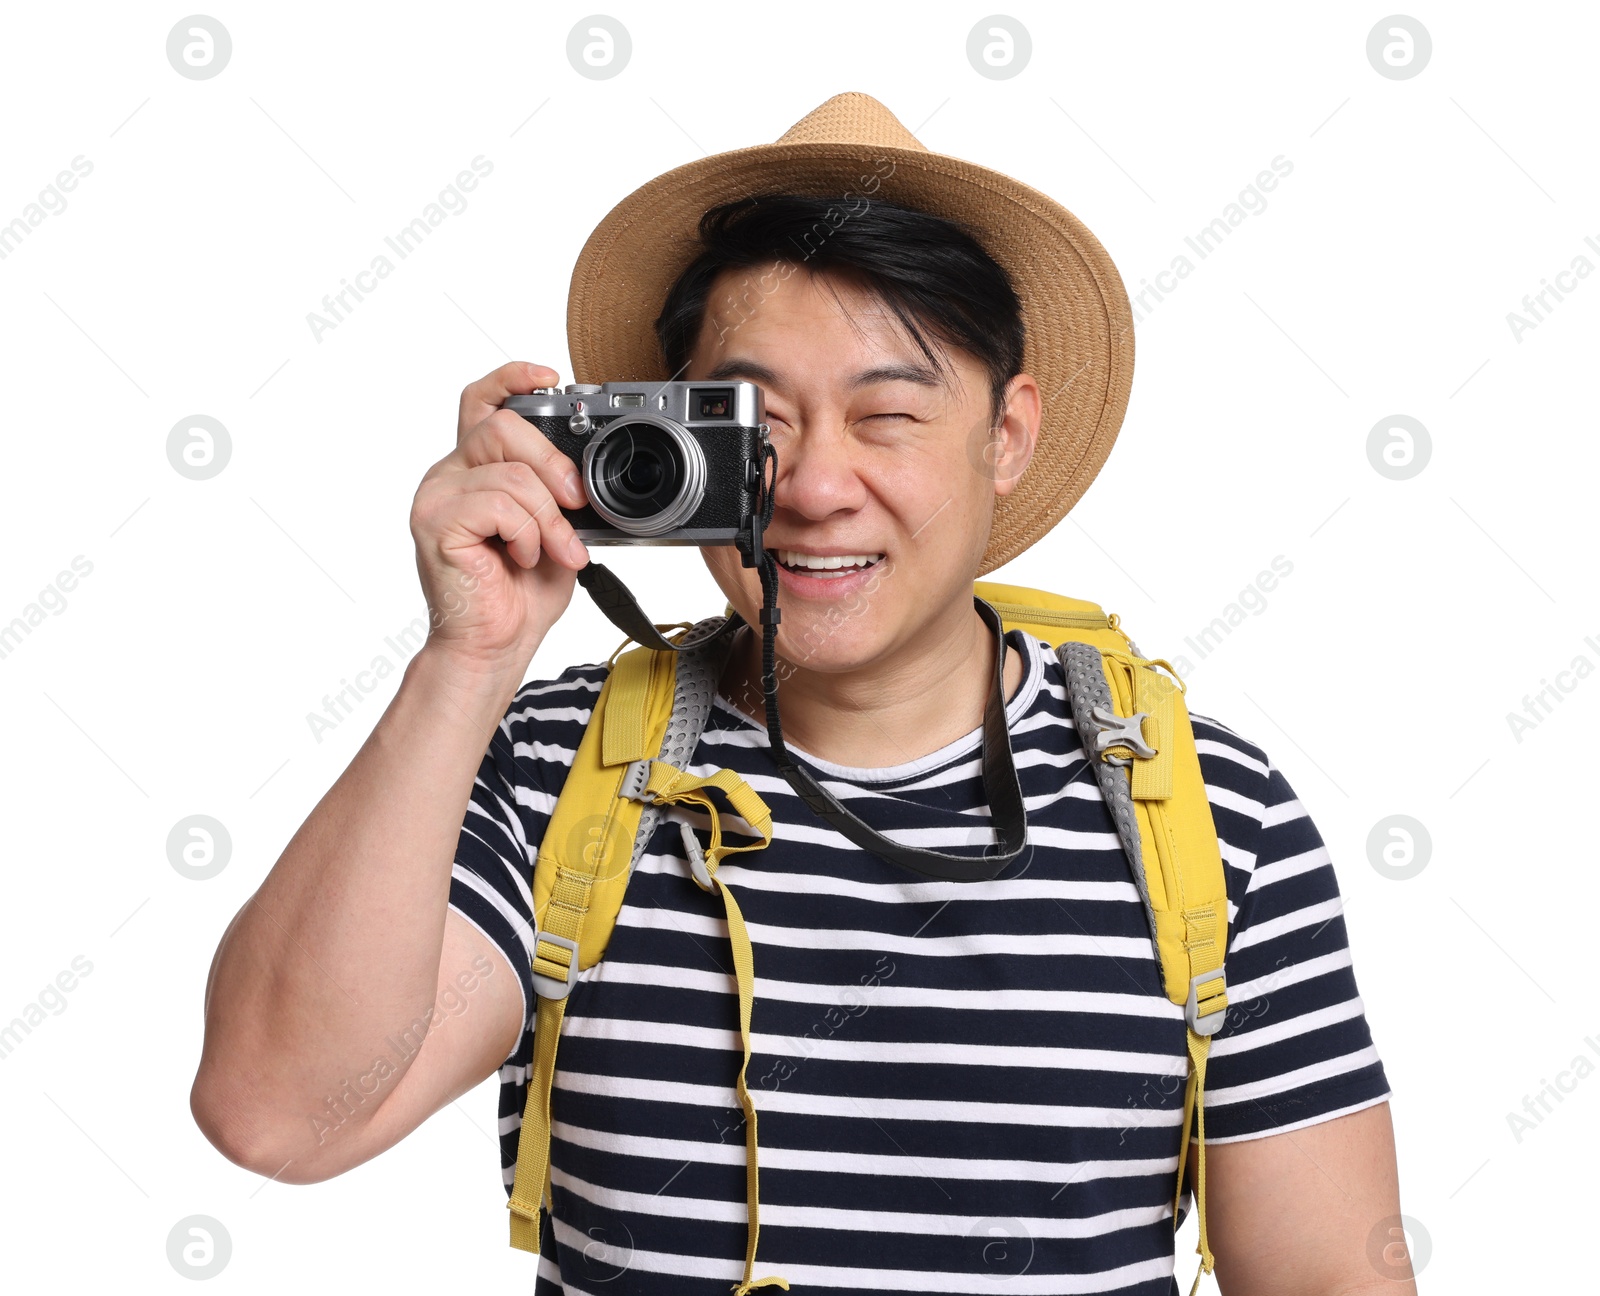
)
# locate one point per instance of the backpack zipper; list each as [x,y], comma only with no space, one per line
[1054,616]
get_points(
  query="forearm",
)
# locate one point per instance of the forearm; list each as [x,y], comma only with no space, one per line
[339,948]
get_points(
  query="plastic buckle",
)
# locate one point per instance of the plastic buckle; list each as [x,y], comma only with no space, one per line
[634,779]
[549,987]
[697,858]
[1120,731]
[1211,1023]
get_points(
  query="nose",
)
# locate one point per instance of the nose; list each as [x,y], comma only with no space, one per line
[817,472]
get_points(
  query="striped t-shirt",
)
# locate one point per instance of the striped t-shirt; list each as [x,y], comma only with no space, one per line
[960,1086]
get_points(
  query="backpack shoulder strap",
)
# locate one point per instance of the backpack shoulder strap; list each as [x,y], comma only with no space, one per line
[652,701]
[1138,739]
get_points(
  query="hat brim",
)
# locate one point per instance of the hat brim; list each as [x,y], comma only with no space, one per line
[1078,322]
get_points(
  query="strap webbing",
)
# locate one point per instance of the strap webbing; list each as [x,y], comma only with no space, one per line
[532,1182]
[1194,1102]
[1202,926]
[671,785]
[616,600]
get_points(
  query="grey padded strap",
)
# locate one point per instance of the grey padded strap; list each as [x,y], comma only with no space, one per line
[694,690]
[1087,687]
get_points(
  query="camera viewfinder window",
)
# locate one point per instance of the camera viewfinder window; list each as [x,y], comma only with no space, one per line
[714,404]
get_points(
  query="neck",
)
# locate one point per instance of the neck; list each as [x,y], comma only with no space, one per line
[885,714]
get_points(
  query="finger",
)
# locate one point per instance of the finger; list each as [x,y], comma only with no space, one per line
[477,515]
[506,437]
[518,480]
[489,393]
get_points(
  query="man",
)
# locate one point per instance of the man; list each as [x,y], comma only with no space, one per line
[957,1082]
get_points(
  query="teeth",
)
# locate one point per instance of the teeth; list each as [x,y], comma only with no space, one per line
[817,562]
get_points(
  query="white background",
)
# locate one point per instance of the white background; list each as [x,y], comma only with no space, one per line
[1379,676]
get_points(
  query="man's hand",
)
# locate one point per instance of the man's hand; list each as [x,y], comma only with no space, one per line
[496,556]
[1303,1213]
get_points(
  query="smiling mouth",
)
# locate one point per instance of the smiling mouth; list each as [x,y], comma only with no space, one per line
[826,567]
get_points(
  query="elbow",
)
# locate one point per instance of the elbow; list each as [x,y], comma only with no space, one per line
[239,1131]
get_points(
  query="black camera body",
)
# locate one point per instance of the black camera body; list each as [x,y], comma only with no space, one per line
[661,463]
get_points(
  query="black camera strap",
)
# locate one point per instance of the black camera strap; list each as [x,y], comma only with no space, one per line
[1004,791]
[616,600]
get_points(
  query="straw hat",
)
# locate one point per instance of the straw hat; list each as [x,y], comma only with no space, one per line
[1079,326]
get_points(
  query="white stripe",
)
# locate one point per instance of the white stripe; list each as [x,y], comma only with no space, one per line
[574,683]
[756,878]
[1301,1124]
[722,1097]
[980,834]
[547,715]
[519,924]
[1078,786]
[1228,799]
[888,995]
[1210,722]
[523,795]
[783,1215]
[1278,978]
[1229,752]
[1293,866]
[1282,813]
[545,753]
[938,768]
[550,1274]
[1024,758]
[1237,856]
[1018,721]
[838,938]
[506,824]
[1288,1080]
[814,832]
[1275,927]
[855,1050]
[1288,1029]
[536,799]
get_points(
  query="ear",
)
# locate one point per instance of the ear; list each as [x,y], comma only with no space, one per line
[1012,444]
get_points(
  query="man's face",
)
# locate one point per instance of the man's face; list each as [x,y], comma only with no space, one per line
[879,457]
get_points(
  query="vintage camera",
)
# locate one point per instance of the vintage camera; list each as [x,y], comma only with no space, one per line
[662,463]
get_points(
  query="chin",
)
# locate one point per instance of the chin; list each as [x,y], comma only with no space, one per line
[811,642]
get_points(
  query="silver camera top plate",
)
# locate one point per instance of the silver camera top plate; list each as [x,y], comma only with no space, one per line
[694,404]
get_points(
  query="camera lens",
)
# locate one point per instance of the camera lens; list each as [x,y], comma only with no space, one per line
[644,475]
[638,474]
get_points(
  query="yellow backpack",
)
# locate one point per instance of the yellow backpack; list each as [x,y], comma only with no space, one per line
[1138,740]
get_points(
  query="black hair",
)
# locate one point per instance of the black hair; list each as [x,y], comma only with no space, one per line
[933,273]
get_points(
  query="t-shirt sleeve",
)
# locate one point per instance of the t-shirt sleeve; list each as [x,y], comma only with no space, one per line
[1294,1049]
[513,797]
